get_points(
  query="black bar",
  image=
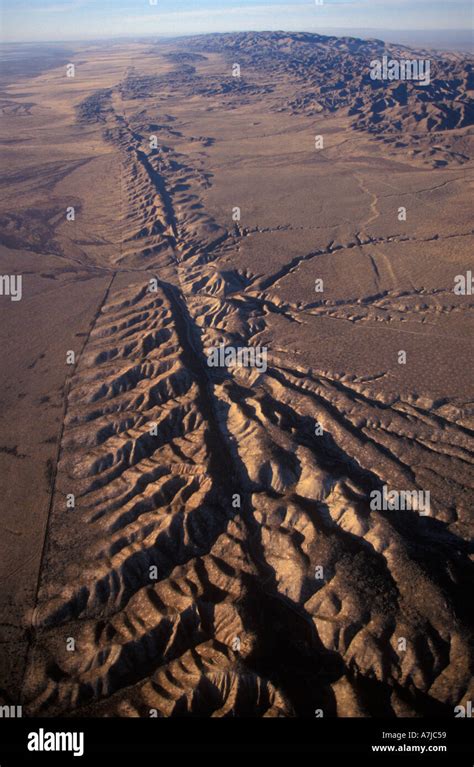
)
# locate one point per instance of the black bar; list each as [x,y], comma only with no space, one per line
[339,737]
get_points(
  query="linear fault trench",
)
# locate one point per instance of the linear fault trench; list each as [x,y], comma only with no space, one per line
[271,604]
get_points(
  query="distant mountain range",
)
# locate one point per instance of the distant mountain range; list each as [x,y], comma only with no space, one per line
[331,74]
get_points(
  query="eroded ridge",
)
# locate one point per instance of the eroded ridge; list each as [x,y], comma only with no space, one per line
[220,555]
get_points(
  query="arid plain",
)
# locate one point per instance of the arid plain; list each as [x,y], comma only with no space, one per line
[178,539]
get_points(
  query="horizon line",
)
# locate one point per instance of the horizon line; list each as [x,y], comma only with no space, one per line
[320,31]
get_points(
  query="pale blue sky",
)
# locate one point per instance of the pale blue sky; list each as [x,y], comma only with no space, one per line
[28,20]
